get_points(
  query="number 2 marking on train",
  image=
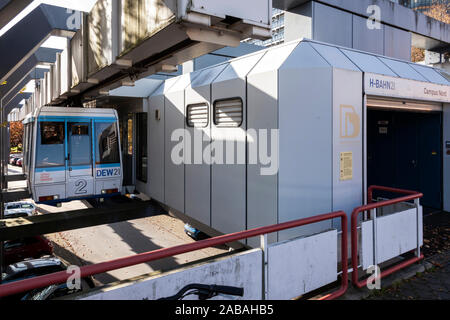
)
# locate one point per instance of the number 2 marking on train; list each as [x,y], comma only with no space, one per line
[81,187]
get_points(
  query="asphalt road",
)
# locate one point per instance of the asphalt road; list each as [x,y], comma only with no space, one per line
[108,242]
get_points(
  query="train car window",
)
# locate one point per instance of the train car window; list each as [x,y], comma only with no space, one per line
[107,150]
[52,133]
[80,144]
[50,149]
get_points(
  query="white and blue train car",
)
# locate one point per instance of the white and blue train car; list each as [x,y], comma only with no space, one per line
[72,154]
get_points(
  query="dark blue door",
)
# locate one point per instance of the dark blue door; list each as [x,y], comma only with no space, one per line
[430,160]
[405,151]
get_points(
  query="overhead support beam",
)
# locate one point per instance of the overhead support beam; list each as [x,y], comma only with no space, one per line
[15,102]
[11,229]
[9,9]
[16,84]
[14,195]
[16,178]
[41,56]
[30,33]
[16,91]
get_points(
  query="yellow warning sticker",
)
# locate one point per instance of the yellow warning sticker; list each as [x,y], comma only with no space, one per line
[346,166]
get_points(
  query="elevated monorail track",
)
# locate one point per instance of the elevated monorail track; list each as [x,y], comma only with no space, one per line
[10,229]
[12,195]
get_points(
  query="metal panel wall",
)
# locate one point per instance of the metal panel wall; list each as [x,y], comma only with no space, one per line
[298,22]
[65,70]
[300,266]
[156,147]
[102,35]
[174,187]
[242,270]
[397,43]
[396,234]
[446,133]
[142,18]
[262,114]
[198,171]
[228,177]
[325,30]
[250,10]
[365,39]
[49,85]
[78,59]
[305,117]
[56,77]
[347,138]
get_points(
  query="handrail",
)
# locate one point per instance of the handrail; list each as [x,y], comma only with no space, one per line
[410,195]
[387,189]
[90,270]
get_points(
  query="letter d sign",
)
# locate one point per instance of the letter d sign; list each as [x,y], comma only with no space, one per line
[350,122]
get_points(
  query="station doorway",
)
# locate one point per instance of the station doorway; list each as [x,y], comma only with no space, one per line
[404,149]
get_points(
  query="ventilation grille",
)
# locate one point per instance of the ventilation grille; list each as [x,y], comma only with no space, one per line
[228,113]
[197,115]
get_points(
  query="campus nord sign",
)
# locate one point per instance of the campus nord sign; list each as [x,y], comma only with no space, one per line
[378,85]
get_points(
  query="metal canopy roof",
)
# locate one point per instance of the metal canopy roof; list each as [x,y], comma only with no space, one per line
[344,58]
[308,53]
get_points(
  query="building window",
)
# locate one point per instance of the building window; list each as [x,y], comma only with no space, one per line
[141,147]
[228,113]
[50,145]
[107,143]
[197,115]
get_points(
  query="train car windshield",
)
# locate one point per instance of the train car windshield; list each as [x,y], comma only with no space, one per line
[107,150]
[80,144]
[50,151]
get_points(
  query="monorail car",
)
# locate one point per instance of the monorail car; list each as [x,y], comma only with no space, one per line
[72,154]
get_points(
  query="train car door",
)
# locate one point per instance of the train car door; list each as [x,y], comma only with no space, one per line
[50,171]
[79,159]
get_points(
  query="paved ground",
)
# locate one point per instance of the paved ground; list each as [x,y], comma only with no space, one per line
[102,243]
[108,242]
[433,284]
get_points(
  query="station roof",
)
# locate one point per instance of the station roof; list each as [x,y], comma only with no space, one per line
[307,53]
[344,58]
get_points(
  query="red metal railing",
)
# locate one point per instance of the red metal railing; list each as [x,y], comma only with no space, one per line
[86,271]
[410,195]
